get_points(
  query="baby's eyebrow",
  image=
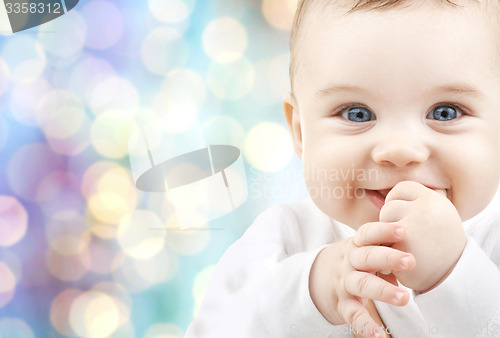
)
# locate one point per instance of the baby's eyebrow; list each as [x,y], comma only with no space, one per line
[459,88]
[339,89]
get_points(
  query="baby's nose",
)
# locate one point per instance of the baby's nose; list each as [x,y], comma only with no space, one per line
[400,150]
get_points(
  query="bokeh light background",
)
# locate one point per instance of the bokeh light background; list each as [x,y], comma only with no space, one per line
[78,255]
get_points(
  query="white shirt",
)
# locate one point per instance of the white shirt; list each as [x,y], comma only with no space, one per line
[260,285]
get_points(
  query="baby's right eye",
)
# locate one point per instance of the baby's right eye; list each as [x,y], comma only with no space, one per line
[357,114]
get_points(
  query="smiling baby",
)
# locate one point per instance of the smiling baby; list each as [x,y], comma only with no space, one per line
[407,95]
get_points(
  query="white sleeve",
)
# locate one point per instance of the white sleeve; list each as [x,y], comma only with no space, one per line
[467,303]
[259,289]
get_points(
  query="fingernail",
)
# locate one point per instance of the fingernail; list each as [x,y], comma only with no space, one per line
[405,261]
[399,296]
[398,232]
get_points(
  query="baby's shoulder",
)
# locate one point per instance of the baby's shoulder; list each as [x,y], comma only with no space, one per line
[292,214]
[300,224]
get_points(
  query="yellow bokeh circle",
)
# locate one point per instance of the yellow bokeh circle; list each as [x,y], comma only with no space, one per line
[268,147]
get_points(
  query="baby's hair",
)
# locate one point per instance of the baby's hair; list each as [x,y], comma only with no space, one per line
[304,6]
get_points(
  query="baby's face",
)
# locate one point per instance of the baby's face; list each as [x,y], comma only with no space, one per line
[405,94]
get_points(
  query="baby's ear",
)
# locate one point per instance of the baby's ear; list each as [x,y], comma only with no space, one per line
[293,121]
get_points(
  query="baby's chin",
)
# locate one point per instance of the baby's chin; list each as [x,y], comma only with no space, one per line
[352,216]
[356,222]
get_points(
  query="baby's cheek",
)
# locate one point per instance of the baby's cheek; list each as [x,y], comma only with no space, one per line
[470,200]
[475,175]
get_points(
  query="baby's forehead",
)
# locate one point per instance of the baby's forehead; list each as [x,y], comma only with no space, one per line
[310,10]
[314,15]
[433,44]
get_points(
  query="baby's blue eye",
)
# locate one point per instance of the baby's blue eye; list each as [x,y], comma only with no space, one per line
[358,114]
[444,113]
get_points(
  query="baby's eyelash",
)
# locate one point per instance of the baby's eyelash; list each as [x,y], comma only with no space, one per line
[458,107]
[340,110]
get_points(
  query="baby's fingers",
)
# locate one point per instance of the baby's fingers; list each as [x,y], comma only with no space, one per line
[360,320]
[376,233]
[380,258]
[366,285]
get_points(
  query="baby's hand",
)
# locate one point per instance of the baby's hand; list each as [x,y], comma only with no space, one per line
[434,233]
[343,276]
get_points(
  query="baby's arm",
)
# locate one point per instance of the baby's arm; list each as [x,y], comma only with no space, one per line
[467,302]
[260,285]
[342,276]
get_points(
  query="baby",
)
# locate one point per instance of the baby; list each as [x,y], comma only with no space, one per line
[403,99]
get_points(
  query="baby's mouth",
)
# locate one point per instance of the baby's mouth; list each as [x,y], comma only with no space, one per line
[443,192]
[385,192]
[378,197]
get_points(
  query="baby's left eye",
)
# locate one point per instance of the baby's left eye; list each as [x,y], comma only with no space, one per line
[444,113]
